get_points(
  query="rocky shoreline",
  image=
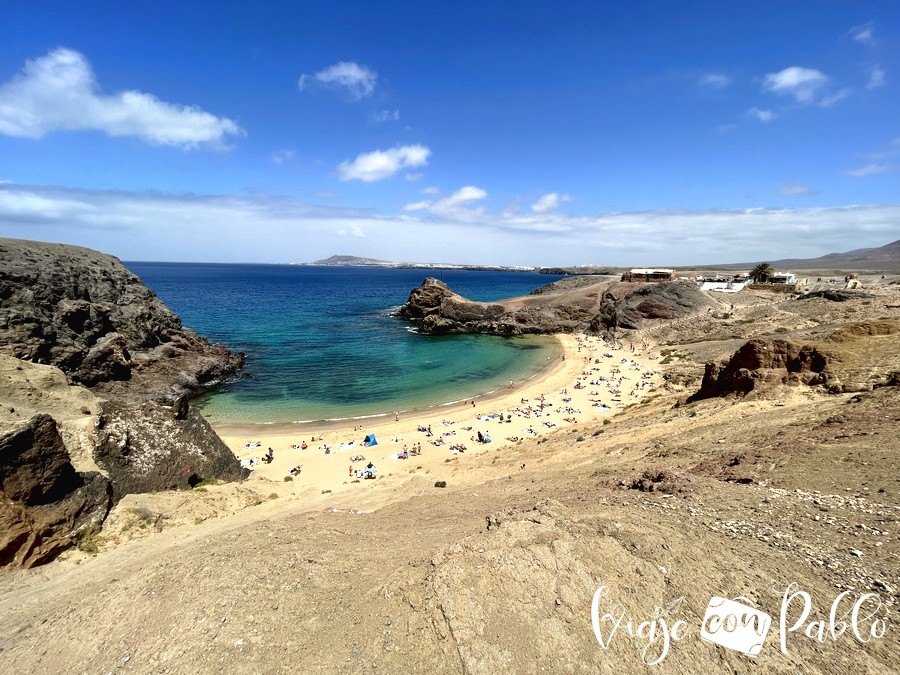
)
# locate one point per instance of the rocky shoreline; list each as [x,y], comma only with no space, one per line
[595,304]
[85,313]
[82,340]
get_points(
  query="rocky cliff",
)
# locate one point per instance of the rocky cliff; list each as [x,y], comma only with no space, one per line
[84,312]
[585,303]
[45,505]
[858,357]
[82,338]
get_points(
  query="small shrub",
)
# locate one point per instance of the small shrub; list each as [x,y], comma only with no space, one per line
[288,479]
[273,495]
[325,492]
[355,480]
[88,542]
[440,483]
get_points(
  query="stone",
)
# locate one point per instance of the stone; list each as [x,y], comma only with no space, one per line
[149,447]
[85,313]
[45,505]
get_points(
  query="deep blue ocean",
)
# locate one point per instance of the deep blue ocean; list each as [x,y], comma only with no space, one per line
[321,342]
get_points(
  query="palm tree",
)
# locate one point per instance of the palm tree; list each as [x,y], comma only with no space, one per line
[761,272]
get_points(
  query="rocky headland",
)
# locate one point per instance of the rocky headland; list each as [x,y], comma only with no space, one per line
[584,303]
[95,372]
[85,313]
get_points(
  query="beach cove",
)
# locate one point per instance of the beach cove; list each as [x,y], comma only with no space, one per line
[590,380]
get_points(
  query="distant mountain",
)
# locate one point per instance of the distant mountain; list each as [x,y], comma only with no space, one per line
[350,260]
[354,261]
[882,259]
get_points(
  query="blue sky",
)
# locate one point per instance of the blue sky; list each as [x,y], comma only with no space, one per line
[522,133]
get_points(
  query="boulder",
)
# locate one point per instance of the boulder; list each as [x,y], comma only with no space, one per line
[46,505]
[148,447]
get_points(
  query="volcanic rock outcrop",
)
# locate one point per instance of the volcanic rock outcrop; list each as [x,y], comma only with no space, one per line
[72,318]
[84,312]
[587,303]
[857,357]
[45,505]
[149,447]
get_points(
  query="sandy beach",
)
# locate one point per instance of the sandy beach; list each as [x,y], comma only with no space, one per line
[590,380]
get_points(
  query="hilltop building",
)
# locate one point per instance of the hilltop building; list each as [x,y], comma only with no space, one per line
[649,274]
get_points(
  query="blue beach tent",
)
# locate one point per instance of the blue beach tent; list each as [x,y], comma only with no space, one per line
[370,440]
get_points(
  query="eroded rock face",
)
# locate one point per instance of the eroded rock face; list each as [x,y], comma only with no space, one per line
[763,362]
[85,313]
[596,304]
[857,357]
[630,305]
[45,505]
[149,447]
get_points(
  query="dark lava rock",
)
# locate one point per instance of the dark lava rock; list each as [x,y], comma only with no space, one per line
[837,295]
[631,304]
[85,313]
[149,447]
[595,304]
[45,505]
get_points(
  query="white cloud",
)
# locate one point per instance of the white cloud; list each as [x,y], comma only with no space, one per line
[876,78]
[357,80]
[381,164]
[352,231]
[801,83]
[418,206]
[457,206]
[761,115]
[281,157]
[869,170]
[714,80]
[830,100]
[267,228]
[436,191]
[386,116]
[796,190]
[58,92]
[549,202]
[864,34]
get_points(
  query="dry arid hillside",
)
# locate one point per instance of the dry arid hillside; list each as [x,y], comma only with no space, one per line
[596,549]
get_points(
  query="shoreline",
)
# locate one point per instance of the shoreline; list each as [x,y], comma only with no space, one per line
[565,394]
[249,428]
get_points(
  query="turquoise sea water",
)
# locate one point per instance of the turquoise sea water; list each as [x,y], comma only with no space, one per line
[321,342]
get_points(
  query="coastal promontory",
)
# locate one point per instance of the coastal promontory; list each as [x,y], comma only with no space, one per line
[95,373]
[596,303]
[84,312]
